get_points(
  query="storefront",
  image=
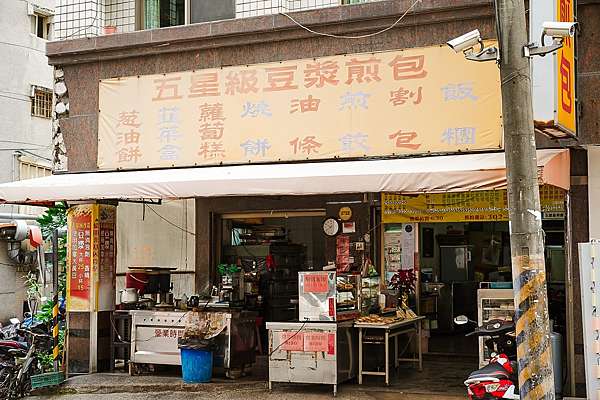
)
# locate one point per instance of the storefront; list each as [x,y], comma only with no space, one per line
[272,231]
[330,209]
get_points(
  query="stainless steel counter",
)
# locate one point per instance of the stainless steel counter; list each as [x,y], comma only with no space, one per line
[312,352]
[154,338]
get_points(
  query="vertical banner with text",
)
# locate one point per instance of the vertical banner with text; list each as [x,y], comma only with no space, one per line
[91,257]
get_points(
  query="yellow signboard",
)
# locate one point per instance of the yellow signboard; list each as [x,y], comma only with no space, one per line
[566,115]
[476,206]
[347,106]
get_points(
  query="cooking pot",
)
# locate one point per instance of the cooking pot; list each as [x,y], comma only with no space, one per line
[193,301]
[129,295]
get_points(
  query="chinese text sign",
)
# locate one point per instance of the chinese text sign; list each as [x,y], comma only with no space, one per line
[566,115]
[378,104]
[475,206]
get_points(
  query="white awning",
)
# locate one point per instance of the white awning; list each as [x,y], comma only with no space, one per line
[465,172]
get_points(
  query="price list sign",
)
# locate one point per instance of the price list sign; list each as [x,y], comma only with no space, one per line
[80,258]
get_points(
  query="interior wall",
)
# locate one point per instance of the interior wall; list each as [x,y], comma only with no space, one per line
[146,239]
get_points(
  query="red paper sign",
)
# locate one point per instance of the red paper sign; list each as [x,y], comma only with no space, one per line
[331,350]
[331,307]
[316,341]
[292,341]
[316,283]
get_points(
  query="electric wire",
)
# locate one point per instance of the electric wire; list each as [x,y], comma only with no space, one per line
[169,222]
[353,37]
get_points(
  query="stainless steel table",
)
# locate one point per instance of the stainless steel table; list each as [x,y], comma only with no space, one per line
[393,330]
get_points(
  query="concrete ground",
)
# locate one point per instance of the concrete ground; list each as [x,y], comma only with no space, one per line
[441,379]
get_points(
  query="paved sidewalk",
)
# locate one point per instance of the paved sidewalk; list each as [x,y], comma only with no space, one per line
[123,386]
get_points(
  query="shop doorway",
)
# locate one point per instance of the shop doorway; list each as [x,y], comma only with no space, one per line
[466,270]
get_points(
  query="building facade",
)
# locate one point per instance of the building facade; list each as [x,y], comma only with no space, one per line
[150,41]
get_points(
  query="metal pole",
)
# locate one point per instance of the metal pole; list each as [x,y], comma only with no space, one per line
[55,298]
[534,351]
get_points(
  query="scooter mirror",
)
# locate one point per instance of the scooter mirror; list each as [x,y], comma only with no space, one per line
[461,320]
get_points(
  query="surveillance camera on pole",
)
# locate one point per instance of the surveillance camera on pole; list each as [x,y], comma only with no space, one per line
[558,31]
[467,42]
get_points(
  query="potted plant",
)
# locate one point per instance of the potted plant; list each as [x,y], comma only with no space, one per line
[404,282]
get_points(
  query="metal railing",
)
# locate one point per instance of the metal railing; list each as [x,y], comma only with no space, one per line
[85,18]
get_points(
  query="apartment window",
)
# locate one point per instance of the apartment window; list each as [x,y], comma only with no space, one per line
[212,10]
[31,170]
[41,26]
[163,13]
[41,102]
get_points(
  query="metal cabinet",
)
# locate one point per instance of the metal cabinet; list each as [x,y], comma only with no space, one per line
[312,352]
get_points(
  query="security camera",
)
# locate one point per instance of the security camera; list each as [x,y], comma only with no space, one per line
[466,41]
[558,29]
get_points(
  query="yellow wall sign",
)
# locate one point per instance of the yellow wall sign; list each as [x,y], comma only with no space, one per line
[566,115]
[345,213]
[357,105]
[475,206]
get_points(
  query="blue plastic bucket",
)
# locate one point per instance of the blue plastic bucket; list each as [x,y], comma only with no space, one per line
[196,365]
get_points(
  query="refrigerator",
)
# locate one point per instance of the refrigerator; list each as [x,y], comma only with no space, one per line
[455,264]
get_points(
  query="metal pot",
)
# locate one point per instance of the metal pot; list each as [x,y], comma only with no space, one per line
[129,295]
[193,301]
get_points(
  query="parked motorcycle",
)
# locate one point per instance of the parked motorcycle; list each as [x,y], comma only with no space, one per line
[18,361]
[498,379]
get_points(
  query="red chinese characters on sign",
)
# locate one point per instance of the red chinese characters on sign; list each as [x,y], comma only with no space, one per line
[107,249]
[318,74]
[405,140]
[316,341]
[566,94]
[168,333]
[309,104]
[280,78]
[204,85]
[80,256]
[316,283]
[211,131]
[306,145]
[402,96]
[128,136]
[292,341]
[167,89]
[408,67]
[363,70]
[242,82]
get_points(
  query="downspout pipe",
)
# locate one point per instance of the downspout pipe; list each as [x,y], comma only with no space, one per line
[12,216]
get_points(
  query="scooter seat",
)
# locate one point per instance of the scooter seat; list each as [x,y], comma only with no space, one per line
[494,371]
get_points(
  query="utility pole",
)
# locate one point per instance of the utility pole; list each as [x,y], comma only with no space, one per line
[534,352]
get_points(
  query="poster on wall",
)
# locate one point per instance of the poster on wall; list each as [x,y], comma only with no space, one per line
[393,250]
[79,257]
[343,106]
[91,257]
[408,246]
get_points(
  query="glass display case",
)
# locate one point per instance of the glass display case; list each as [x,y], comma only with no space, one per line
[348,296]
[370,289]
[493,304]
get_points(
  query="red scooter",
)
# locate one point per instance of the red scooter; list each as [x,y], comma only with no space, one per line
[498,379]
